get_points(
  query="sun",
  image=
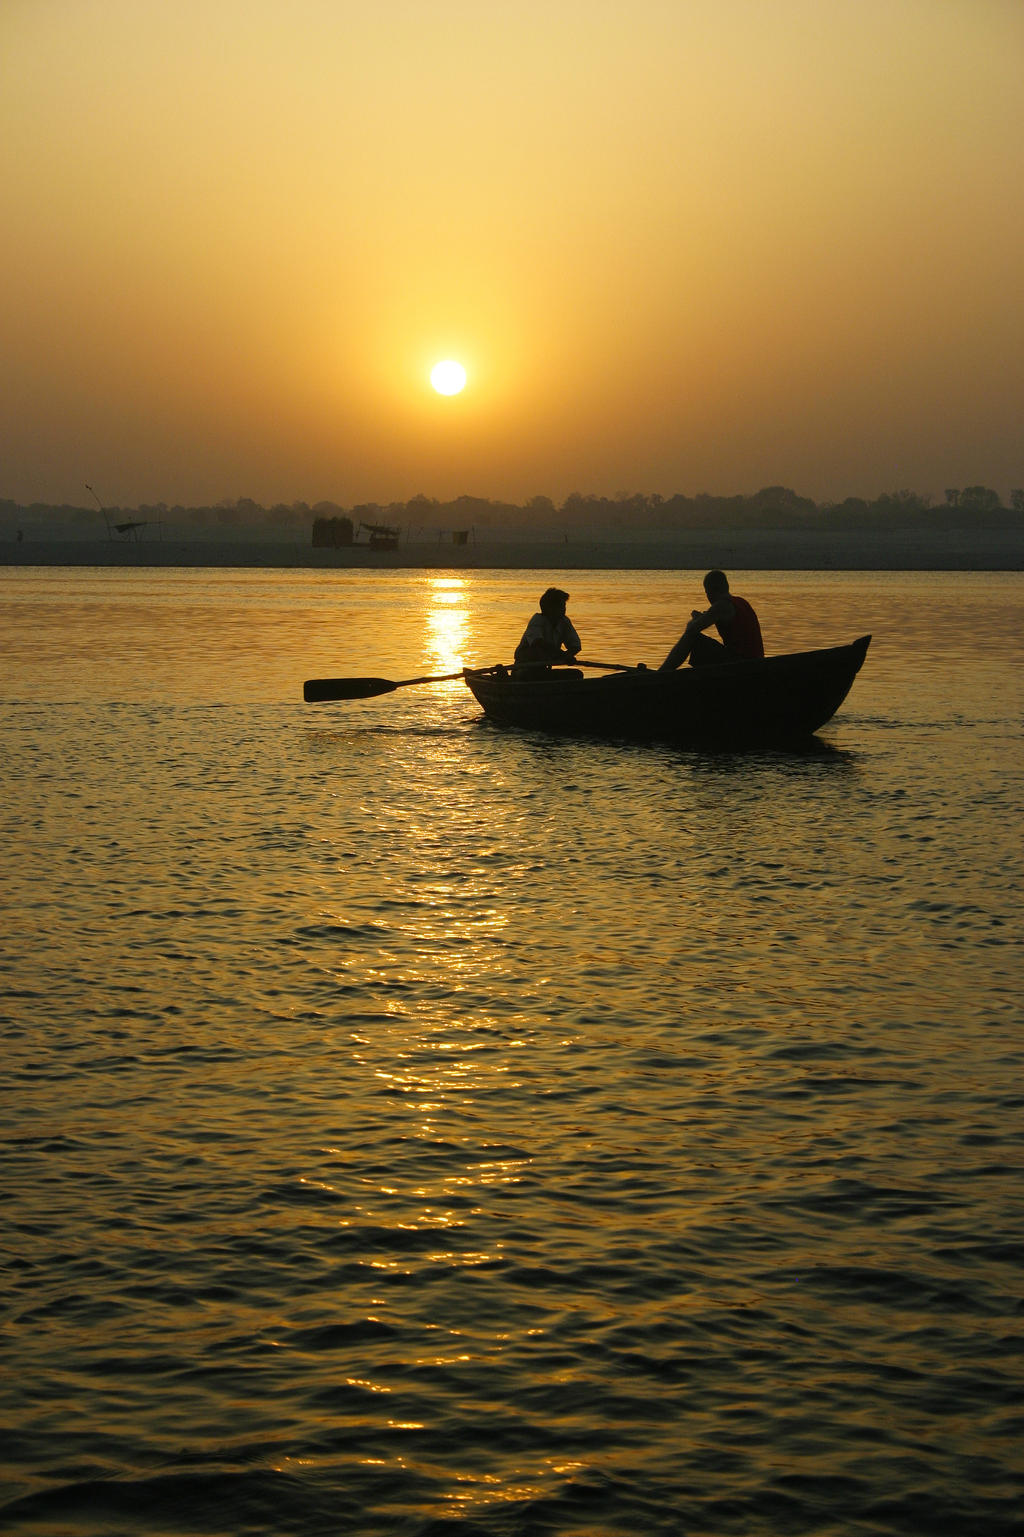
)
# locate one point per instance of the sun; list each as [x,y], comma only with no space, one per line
[448,378]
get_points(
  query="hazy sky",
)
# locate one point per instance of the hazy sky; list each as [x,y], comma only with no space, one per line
[679,245]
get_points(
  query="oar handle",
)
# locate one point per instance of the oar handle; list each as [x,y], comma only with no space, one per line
[445,677]
[607,666]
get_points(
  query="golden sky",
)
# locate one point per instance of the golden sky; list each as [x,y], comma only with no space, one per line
[679,245]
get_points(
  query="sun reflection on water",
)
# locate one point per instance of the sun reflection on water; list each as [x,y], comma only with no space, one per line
[446,622]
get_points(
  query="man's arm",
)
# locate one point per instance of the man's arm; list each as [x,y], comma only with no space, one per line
[720,612]
[567,635]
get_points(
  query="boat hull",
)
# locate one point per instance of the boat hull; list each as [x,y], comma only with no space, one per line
[776,699]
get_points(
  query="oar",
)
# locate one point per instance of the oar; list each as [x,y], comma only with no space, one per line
[319,690]
[316,690]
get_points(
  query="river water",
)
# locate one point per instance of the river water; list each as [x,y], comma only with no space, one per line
[413,1127]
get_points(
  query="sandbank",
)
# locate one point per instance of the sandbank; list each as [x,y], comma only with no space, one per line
[986,549]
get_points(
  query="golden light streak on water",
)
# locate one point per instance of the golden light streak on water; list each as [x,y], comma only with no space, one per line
[447,622]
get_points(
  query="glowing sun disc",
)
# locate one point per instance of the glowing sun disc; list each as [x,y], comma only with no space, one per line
[448,378]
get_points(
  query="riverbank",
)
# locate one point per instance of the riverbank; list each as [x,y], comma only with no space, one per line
[985,549]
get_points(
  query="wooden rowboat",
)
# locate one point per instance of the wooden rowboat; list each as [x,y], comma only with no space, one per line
[776,699]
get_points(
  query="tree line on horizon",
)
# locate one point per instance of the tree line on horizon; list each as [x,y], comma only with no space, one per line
[772,506]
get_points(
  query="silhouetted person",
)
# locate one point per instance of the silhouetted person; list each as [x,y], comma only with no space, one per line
[732,617]
[549,636]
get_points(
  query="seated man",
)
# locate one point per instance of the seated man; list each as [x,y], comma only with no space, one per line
[549,636]
[733,618]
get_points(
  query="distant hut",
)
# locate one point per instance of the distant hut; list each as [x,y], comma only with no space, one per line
[332,533]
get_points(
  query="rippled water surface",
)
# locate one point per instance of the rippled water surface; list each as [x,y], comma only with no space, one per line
[415,1127]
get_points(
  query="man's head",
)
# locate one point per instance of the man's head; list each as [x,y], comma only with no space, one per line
[716,585]
[553,601]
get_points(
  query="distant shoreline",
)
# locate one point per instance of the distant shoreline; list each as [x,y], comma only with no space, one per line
[986,549]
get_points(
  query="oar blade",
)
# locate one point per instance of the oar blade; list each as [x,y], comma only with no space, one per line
[319,690]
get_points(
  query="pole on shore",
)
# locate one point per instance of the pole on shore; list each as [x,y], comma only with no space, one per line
[110,533]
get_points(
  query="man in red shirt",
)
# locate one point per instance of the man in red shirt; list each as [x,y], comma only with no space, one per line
[733,618]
